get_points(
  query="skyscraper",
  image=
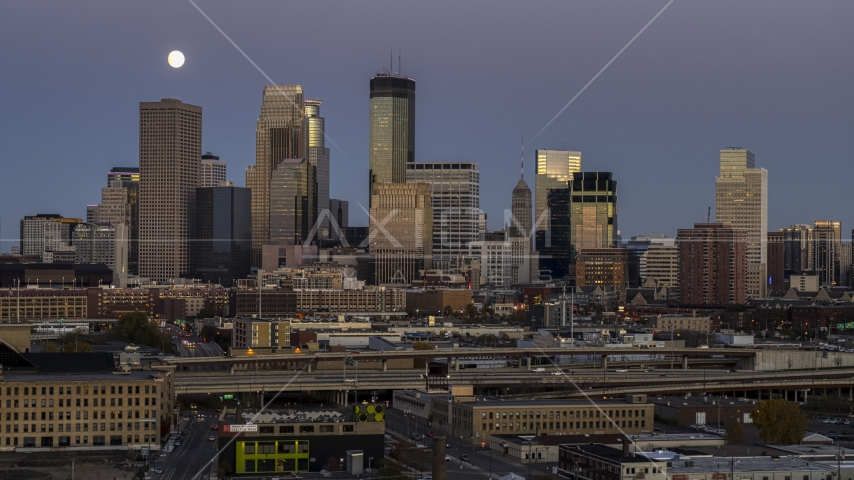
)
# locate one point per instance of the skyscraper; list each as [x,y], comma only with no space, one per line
[120,205]
[455,197]
[223,245]
[741,193]
[553,244]
[392,128]
[712,264]
[399,240]
[776,262]
[170,151]
[281,133]
[318,156]
[554,170]
[213,171]
[593,211]
[293,202]
[522,262]
[827,237]
[798,250]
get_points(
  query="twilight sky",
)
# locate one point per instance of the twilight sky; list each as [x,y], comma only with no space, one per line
[773,76]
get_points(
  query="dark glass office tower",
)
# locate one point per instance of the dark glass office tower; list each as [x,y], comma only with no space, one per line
[553,243]
[392,128]
[593,211]
[222,245]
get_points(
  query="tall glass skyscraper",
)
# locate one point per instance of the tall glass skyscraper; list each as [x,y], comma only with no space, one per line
[593,211]
[392,128]
[281,133]
[554,170]
[742,200]
[318,156]
[223,244]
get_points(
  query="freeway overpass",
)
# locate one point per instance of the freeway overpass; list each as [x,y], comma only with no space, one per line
[519,384]
[310,359]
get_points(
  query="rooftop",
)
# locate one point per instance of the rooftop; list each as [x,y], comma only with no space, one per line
[296,416]
[78,377]
[749,464]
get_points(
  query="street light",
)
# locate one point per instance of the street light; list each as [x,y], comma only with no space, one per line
[153,421]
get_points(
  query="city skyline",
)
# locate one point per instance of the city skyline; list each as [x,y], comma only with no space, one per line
[651,152]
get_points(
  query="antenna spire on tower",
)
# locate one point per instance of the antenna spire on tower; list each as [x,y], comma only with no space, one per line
[399,68]
[523,157]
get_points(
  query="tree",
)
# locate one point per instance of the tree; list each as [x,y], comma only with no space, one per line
[51,348]
[420,362]
[448,311]
[205,313]
[136,328]
[779,422]
[471,310]
[76,346]
[735,434]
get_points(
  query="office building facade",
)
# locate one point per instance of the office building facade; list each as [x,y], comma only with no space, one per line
[223,242]
[554,169]
[212,172]
[400,241]
[609,267]
[827,240]
[170,150]
[293,202]
[712,264]
[741,199]
[120,205]
[553,244]
[392,128]
[47,233]
[281,133]
[318,156]
[776,262]
[798,247]
[455,197]
[593,211]
[103,243]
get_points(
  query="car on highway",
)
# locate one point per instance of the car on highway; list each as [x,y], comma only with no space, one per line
[431,434]
[214,427]
[183,433]
[158,470]
[211,437]
[465,457]
[447,458]
[177,442]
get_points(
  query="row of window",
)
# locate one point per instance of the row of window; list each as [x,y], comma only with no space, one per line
[84,389]
[67,415]
[97,440]
[566,414]
[78,427]
[66,402]
[557,425]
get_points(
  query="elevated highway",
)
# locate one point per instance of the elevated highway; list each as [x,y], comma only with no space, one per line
[515,383]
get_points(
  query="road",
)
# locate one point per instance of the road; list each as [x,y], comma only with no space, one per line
[188,459]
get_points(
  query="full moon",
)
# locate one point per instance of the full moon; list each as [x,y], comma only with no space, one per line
[176,59]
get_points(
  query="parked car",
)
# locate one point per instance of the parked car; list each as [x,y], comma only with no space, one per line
[827,420]
[431,434]
[158,470]
[465,457]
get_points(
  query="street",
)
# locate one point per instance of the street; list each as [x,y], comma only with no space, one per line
[192,456]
